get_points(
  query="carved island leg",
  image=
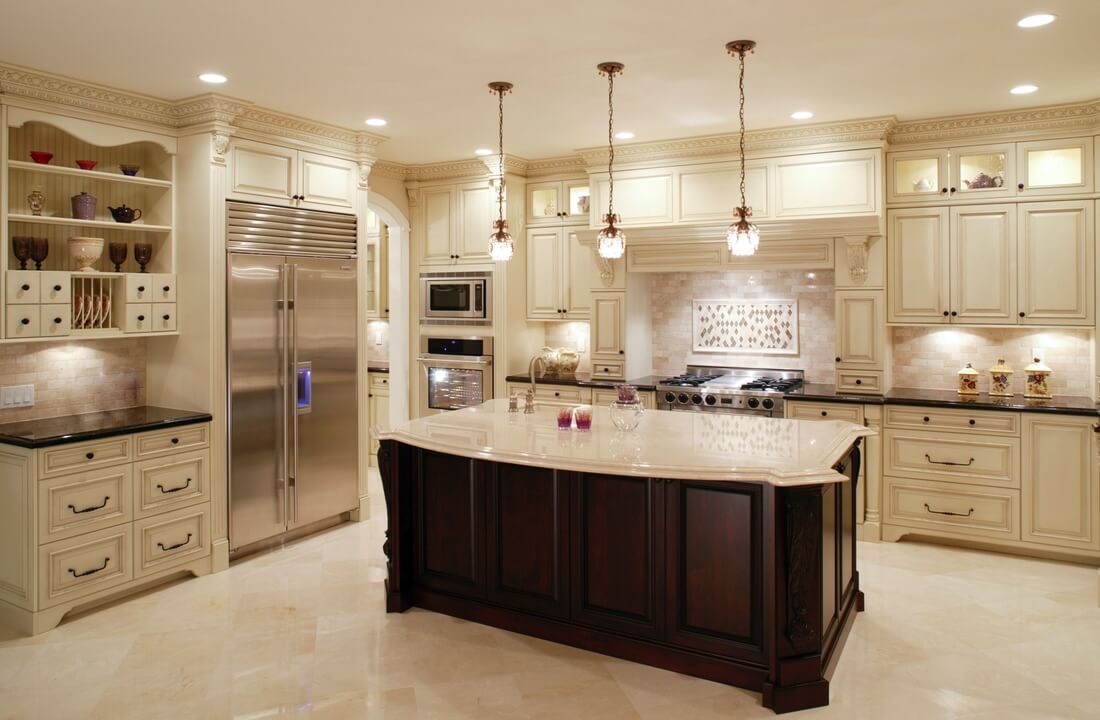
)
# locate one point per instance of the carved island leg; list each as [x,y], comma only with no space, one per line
[393,459]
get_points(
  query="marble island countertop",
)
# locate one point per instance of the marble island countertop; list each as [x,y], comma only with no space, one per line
[671,445]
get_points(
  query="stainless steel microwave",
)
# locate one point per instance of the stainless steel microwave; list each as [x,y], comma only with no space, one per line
[456,296]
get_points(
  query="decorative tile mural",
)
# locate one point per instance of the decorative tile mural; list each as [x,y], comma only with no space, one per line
[745,326]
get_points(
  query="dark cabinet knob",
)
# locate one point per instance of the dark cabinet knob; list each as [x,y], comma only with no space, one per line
[90,455]
[141,288]
[953,190]
[57,321]
[25,287]
[945,313]
[838,359]
[167,317]
[622,352]
[25,321]
[166,288]
[953,313]
[140,318]
[824,413]
[943,190]
[175,441]
[57,288]
[926,419]
[557,394]
[1021,314]
[973,422]
[859,382]
[1020,186]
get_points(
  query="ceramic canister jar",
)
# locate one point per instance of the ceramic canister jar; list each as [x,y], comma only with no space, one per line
[84,206]
[968,380]
[1037,377]
[1000,379]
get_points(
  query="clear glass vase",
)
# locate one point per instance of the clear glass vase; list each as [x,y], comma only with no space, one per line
[626,415]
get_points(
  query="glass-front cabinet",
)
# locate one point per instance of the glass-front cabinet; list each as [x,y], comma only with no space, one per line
[917,176]
[1055,167]
[558,202]
[982,171]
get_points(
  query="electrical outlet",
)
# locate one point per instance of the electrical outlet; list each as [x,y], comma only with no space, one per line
[13,396]
[377,338]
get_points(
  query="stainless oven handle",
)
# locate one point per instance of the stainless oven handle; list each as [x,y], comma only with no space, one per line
[451,360]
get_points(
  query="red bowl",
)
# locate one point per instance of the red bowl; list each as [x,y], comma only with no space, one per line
[41,157]
[86,164]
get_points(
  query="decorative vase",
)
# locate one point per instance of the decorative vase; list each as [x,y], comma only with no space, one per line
[1038,375]
[968,380]
[84,206]
[1000,379]
[85,251]
[40,250]
[36,201]
[143,253]
[626,415]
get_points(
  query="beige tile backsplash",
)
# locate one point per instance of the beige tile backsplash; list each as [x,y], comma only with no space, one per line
[74,377]
[572,335]
[378,330]
[671,295]
[930,357]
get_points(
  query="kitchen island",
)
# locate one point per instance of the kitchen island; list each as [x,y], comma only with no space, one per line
[720,546]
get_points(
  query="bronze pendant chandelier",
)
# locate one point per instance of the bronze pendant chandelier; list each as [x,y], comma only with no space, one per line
[611,242]
[501,246]
[743,238]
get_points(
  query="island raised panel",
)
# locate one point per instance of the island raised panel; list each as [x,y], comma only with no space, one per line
[451,538]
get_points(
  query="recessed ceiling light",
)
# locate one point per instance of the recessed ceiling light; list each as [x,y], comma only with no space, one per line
[213,78]
[624,135]
[483,152]
[376,122]
[802,115]
[1024,89]
[1034,21]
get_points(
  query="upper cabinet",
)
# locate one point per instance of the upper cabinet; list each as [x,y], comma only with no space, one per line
[709,194]
[561,273]
[261,172]
[558,201]
[1056,251]
[821,184]
[375,256]
[454,222]
[1006,170]
[642,197]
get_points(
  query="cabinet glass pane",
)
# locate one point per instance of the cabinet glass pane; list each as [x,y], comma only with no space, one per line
[544,203]
[916,175]
[579,199]
[1061,166]
[982,171]
[371,259]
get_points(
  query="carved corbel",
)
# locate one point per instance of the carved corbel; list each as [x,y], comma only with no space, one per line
[607,269]
[412,190]
[364,174]
[857,258]
[219,146]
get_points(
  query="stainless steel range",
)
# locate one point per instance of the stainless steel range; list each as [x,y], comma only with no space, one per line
[744,391]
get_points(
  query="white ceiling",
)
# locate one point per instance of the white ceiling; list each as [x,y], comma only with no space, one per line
[424,65]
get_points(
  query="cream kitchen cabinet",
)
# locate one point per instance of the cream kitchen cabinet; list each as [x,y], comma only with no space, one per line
[560,275]
[375,255]
[606,396]
[1055,167]
[918,270]
[918,176]
[709,193]
[939,175]
[642,197]
[550,395]
[455,222]
[1060,486]
[860,329]
[558,201]
[608,333]
[379,410]
[1056,251]
[824,184]
[983,264]
[261,172]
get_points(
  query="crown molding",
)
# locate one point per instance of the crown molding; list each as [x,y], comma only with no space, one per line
[1075,116]
[563,165]
[466,169]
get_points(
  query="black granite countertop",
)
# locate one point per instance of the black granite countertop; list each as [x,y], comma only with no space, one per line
[649,382]
[92,426]
[1061,404]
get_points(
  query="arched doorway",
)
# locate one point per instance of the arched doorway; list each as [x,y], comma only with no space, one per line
[399,321]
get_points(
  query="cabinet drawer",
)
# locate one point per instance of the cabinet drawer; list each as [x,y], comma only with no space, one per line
[137,317]
[859,381]
[989,423]
[164,317]
[139,287]
[805,410]
[73,504]
[972,459]
[171,482]
[955,509]
[83,456]
[83,565]
[164,288]
[55,320]
[380,382]
[604,396]
[56,287]
[22,287]
[564,394]
[608,368]
[173,440]
[171,539]
[22,321]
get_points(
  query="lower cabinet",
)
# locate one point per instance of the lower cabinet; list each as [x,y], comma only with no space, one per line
[1061,485]
[378,410]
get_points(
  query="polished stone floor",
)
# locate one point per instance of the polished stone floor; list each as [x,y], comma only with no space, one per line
[301,633]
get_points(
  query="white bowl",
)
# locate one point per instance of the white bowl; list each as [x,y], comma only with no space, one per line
[85,251]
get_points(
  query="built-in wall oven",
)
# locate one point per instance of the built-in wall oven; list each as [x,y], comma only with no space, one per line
[456,296]
[455,372]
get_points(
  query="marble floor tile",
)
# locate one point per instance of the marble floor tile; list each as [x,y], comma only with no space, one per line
[302,632]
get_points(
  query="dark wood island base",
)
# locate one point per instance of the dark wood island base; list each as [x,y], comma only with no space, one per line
[751,584]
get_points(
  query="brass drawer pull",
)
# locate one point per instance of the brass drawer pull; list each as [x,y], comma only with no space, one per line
[948,462]
[175,489]
[173,547]
[948,512]
[93,571]
[90,509]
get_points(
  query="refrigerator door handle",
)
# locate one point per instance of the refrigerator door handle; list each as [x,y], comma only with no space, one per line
[292,383]
[284,354]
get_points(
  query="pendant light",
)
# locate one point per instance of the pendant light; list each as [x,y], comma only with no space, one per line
[501,246]
[611,242]
[742,237]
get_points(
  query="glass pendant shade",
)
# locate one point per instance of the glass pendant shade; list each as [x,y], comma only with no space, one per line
[501,246]
[742,237]
[611,242]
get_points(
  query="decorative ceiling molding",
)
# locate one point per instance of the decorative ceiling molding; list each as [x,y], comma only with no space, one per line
[1076,116]
[468,169]
[564,165]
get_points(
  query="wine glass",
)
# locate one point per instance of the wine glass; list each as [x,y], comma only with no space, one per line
[40,250]
[117,252]
[143,253]
[21,248]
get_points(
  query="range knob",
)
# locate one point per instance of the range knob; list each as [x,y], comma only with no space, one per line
[710,399]
[696,399]
[682,397]
[754,402]
[670,397]
[768,403]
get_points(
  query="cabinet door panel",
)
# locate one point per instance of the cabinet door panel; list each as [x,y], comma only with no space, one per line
[983,171]
[710,193]
[642,197]
[618,526]
[917,176]
[1056,254]
[608,327]
[326,183]
[983,264]
[544,274]
[917,264]
[527,535]
[437,221]
[839,183]
[714,575]
[1060,485]
[451,543]
[580,276]
[544,203]
[1055,167]
[477,210]
[263,171]
[860,328]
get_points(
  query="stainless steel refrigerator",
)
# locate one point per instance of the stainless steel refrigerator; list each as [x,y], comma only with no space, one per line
[292,325]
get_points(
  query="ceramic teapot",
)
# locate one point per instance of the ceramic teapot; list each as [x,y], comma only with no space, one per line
[124,214]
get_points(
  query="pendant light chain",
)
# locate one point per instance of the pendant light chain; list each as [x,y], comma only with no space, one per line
[611,242]
[501,246]
[500,145]
[741,115]
[610,142]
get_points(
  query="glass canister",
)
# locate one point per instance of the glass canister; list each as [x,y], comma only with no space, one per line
[1000,379]
[968,380]
[626,411]
[1038,376]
